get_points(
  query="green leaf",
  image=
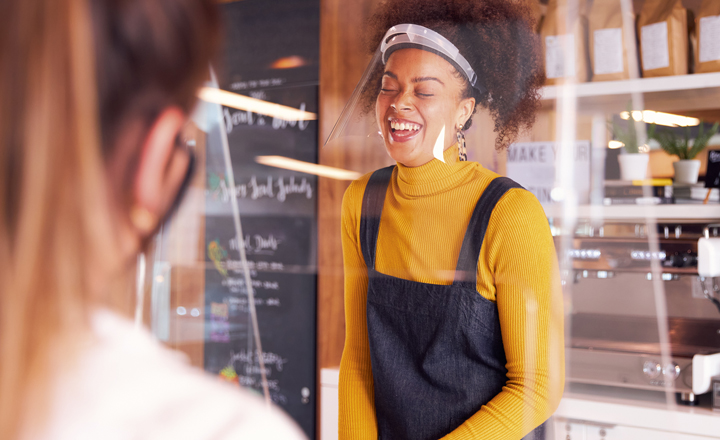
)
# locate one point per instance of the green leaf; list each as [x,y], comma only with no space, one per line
[667,142]
[651,131]
[683,150]
[632,143]
[695,150]
[628,136]
[702,139]
[680,146]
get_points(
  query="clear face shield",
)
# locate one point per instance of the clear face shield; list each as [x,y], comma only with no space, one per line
[406,101]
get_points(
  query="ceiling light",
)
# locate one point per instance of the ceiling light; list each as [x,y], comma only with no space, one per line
[307,167]
[660,118]
[241,102]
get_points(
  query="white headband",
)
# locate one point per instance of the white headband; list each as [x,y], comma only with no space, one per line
[413,35]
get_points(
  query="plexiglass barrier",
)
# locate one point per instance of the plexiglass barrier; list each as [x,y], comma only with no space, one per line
[581,291]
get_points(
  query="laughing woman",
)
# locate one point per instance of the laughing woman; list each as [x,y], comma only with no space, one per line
[453,307]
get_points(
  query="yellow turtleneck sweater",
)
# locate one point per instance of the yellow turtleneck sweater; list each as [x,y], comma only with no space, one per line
[425,217]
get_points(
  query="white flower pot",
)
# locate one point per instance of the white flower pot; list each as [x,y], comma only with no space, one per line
[633,166]
[686,171]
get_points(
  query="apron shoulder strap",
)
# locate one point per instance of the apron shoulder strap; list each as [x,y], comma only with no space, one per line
[372,205]
[466,271]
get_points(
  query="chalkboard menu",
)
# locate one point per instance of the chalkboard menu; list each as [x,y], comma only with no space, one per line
[271,53]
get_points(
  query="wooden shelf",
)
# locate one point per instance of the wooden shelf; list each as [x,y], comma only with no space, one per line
[642,85]
[686,92]
[686,213]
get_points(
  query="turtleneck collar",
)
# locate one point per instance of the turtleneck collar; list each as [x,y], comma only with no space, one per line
[435,176]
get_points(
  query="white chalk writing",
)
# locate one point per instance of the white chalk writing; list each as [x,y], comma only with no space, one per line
[270,359]
[245,117]
[278,189]
[258,244]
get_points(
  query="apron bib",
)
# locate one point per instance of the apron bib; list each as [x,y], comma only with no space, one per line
[436,351]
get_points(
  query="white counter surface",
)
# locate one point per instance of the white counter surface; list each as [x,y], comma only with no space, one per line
[636,408]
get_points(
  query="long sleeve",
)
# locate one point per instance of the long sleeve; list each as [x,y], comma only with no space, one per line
[357,408]
[519,253]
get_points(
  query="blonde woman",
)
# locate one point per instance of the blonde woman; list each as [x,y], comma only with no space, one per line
[93,94]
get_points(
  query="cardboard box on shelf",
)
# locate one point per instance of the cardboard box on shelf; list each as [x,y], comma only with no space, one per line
[707,25]
[564,41]
[664,42]
[609,54]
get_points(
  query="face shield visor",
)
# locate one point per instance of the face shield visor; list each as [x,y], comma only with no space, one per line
[404,97]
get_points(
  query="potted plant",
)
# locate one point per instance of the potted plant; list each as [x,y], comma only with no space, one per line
[687,168]
[633,163]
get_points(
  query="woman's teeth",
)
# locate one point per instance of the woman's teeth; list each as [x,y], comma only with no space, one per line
[404,126]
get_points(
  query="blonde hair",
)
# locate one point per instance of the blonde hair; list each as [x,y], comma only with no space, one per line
[56,234]
[55,220]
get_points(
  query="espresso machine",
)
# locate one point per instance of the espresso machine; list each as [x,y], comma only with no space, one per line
[642,316]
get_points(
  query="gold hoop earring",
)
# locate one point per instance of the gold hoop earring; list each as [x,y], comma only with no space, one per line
[462,149]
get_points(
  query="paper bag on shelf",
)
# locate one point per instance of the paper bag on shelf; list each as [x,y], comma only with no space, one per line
[609,56]
[565,45]
[663,33]
[707,55]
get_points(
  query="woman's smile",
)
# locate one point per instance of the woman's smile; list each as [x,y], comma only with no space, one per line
[402,130]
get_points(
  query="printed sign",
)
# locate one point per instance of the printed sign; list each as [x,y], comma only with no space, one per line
[533,165]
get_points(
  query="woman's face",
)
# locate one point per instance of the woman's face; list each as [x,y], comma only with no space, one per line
[420,105]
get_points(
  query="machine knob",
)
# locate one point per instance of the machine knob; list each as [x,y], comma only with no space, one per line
[671,371]
[652,369]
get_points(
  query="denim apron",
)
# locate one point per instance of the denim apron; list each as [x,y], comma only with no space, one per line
[436,351]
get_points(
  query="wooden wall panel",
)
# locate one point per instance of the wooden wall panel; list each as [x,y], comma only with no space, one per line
[342,62]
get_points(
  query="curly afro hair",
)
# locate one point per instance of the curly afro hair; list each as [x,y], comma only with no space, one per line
[498,40]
